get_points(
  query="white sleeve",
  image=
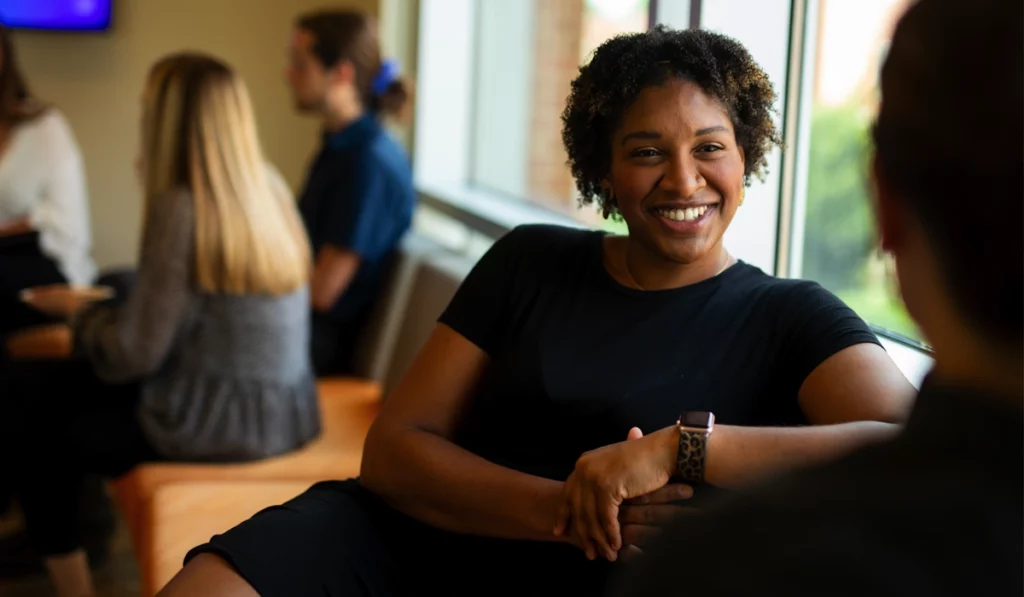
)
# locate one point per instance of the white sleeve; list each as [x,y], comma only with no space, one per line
[62,214]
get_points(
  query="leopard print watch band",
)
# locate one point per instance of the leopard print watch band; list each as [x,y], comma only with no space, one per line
[692,454]
[695,428]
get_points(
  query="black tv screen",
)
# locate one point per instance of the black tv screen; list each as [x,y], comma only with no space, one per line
[56,15]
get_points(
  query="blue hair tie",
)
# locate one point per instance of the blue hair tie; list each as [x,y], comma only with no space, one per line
[387,75]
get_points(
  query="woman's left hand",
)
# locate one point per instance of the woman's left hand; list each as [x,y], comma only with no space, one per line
[605,478]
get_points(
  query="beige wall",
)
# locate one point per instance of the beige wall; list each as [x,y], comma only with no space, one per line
[399,39]
[96,81]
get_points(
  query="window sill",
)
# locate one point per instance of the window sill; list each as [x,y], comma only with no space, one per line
[485,212]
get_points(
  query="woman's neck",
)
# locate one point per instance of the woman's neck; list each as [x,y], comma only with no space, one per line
[634,265]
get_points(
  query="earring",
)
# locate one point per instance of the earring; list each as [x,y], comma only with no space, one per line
[743,197]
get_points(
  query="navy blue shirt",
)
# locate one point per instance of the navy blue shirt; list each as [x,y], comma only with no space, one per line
[359,196]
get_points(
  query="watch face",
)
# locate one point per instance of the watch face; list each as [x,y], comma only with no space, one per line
[697,418]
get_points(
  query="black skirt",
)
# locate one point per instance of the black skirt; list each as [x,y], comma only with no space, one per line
[340,539]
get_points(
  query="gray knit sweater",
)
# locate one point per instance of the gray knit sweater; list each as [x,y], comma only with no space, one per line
[222,377]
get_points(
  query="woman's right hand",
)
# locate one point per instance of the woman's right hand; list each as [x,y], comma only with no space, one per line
[636,521]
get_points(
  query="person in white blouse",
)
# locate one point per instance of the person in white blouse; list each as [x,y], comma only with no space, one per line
[44,208]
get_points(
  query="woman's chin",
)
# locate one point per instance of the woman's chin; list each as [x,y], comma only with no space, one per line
[683,252]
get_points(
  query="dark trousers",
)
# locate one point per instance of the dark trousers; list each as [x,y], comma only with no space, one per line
[23,265]
[59,424]
[333,345]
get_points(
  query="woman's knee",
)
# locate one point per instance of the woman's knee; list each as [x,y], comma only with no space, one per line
[208,574]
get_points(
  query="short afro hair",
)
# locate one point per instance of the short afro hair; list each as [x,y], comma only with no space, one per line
[625,65]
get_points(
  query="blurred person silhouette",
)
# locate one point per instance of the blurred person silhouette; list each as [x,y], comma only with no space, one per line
[938,510]
[358,198]
[44,209]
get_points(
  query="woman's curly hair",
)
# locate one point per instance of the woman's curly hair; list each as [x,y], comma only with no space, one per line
[624,66]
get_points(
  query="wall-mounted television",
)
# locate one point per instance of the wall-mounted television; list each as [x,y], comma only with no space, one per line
[56,15]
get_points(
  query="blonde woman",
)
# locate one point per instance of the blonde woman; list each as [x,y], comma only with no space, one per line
[208,359]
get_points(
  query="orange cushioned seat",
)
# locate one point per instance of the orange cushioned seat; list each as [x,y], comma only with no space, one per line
[186,514]
[347,408]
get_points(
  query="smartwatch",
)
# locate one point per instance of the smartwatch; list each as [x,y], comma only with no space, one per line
[694,430]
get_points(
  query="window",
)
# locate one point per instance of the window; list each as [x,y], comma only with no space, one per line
[518,96]
[833,235]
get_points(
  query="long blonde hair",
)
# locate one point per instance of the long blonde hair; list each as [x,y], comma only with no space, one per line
[199,133]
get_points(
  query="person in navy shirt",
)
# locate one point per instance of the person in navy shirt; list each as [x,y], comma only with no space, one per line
[358,199]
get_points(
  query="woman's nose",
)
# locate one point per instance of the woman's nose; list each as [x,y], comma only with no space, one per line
[683,177]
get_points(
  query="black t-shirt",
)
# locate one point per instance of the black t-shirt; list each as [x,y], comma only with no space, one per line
[938,511]
[578,359]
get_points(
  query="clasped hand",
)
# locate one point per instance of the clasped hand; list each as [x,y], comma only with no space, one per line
[619,496]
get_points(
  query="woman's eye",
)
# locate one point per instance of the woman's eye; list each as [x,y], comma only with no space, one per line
[644,153]
[710,148]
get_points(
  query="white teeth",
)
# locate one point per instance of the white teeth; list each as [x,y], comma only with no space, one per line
[684,215]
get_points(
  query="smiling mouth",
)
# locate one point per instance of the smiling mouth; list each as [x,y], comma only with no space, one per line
[689,214]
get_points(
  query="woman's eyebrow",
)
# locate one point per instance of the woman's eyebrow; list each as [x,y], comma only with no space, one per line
[653,135]
[712,129]
[641,135]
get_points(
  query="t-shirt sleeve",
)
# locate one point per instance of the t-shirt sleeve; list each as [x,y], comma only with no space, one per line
[363,219]
[482,307]
[815,324]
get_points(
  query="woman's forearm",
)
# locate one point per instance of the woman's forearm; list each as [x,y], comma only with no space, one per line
[740,455]
[434,481]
